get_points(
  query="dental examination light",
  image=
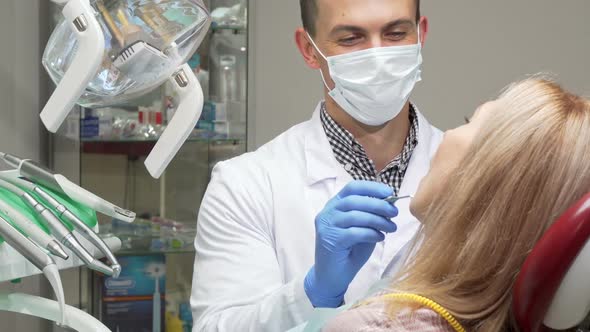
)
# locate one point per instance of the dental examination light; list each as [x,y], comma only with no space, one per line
[109,52]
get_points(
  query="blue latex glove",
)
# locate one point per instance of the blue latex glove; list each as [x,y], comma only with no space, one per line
[347,230]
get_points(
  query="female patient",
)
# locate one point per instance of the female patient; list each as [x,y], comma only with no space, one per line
[496,184]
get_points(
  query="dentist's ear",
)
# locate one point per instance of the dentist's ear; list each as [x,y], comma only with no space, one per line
[423,29]
[309,53]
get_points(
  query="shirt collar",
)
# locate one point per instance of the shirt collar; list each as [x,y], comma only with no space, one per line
[338,135]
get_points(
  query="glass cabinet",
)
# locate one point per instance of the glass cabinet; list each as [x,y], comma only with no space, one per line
[104,149]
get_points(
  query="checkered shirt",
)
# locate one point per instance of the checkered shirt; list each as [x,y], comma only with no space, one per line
[351,155]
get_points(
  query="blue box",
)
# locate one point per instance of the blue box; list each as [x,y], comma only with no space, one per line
[128,301]
[89,127]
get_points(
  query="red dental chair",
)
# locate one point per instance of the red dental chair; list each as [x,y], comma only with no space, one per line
[552,290]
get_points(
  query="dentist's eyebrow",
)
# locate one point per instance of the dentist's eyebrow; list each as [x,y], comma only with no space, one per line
[399,23]
[467,120]
[346,28]
[356,29]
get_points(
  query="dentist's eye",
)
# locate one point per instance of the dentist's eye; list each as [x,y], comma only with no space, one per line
[349,40]
[398,35]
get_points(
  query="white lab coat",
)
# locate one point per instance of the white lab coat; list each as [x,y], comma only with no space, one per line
[256,236]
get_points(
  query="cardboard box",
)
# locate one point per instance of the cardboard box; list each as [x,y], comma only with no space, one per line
[128,302]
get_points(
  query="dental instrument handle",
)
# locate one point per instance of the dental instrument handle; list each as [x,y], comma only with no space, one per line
[57,228]
[65,236]
[12,177]
[96,240]
[94,264]
[24,246]
[72,243]
[33,231]
[38,173]
[32,170]
[86,231]
[94,202]
[37,257]
[394,199]
[10,159]
[59,183]
[30,229]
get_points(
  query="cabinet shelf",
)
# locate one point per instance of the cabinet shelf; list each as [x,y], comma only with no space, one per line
[139,252]
[140,147]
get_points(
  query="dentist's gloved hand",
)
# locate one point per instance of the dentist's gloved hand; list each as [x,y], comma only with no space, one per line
[347,230]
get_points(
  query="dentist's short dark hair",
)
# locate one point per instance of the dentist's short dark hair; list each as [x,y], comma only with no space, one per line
[309,14]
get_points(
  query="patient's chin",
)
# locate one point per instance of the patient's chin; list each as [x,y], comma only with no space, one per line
[415,207]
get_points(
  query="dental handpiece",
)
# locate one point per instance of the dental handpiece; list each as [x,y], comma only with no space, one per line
[65,236]
[33,231]
[24,245]
[86,231]
[63,211]
[61,184]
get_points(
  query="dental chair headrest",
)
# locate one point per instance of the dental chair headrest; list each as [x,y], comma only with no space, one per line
[553,287]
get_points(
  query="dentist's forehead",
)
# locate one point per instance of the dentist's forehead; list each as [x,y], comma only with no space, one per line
[364,13]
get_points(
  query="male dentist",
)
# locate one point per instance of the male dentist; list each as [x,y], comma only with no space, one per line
[301,222]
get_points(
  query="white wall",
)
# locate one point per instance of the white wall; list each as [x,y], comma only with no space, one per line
[22,87]
[281,91]
[473,50]
[476,47]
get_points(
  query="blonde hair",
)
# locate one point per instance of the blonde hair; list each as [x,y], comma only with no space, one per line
[529,163]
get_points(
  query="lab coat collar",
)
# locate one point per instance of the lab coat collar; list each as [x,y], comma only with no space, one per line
[321,163]
[420,161]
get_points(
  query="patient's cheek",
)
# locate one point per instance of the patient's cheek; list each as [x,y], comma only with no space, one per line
[418,203]
[413,209]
